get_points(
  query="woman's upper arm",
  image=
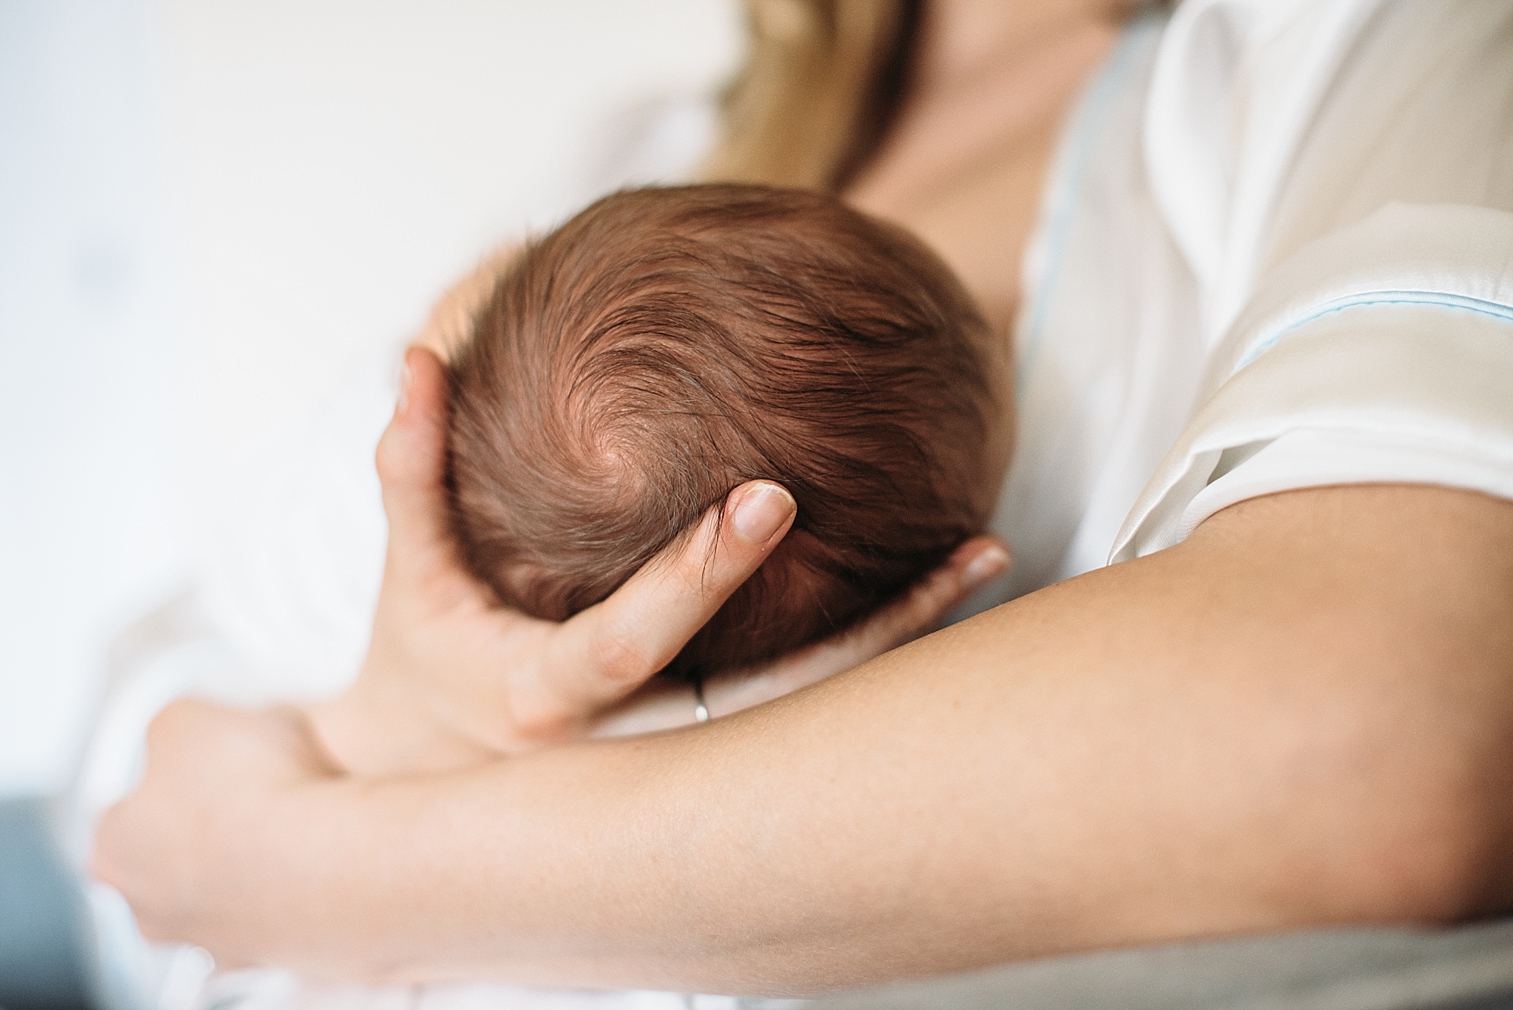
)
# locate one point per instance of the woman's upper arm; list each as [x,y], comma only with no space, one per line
[1302,714]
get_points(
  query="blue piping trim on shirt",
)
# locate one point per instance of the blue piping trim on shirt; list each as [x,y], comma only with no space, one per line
[1088,127]
[1428,299]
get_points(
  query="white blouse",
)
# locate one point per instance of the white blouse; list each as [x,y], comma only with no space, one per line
[1276,252]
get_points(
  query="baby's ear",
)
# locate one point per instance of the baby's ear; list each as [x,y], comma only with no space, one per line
[451,321]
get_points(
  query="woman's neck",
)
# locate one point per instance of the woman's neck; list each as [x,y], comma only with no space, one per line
[964,161]
[986,71]
[963,42]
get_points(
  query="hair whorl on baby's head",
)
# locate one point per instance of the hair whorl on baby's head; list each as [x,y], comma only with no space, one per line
[666,345]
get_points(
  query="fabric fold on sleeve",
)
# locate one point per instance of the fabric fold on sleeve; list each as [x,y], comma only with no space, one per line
[1382,353]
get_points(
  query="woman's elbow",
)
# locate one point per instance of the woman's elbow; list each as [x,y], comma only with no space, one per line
[1423,823]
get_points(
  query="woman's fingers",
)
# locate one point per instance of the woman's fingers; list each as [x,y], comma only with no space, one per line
[411,462]
[920,610]
[439,641]
[970,567]
[610,649]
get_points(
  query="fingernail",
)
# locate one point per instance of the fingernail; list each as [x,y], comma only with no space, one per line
[984,568]
[405,376]
[761,511]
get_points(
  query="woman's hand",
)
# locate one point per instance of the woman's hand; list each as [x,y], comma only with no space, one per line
[452,678]
[659,706]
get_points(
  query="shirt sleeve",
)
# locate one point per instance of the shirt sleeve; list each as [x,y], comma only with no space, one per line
[1383,353]
[1355,257]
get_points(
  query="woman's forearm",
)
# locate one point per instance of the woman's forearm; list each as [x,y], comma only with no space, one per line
[1301,715]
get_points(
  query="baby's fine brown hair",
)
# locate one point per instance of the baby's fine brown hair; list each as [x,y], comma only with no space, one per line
[667,345]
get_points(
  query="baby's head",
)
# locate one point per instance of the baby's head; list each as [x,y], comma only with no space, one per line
[666,345]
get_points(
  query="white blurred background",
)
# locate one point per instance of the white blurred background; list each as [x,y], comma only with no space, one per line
[211,211]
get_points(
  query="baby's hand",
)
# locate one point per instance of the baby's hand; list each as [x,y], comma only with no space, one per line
[222,790]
